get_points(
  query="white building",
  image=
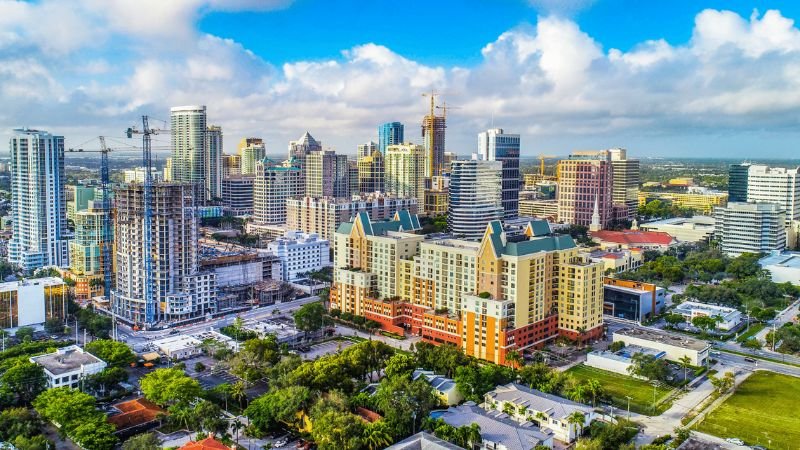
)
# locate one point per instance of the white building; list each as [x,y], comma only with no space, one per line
[684,229]
[784,267]
[32,302]
[498,432]
[273,185]
[750,228]
[67,366]
[474,197]
[300,253]
[38,201]
[444,388]
[620,361]
[179,346]
[775,185]
[730,317]
[528,403]
[676,346]
[136,175]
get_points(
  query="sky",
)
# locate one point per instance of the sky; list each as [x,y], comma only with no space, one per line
[660,78]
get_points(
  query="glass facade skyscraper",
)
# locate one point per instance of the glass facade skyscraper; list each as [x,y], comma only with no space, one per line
[737,182]
[494,145]
[390,133]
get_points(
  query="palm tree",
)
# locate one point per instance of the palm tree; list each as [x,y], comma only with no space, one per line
[542,417]
[514,358]
[509,408]
[238,392]
[577,393]
[377,435]
[595,388]
[685,362]
[470,435]
[237,425]
[577,418]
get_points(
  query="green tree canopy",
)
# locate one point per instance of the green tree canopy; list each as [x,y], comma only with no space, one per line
[23,381]
[144,441]
[115,354]
[168,386]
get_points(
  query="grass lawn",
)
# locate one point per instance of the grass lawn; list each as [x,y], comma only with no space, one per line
[763,408]
[617,386]
[754,328]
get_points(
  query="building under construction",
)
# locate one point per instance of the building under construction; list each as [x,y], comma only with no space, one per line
[180,290]
[433,128]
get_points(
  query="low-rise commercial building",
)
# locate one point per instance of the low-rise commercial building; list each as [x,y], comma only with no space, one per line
[729,318]
[632,300]
[179,347]
[684,229]
[542,209]
[620,361]
[67,366]
[675,346]
[300,253]
[497,430]
[703,202]
[550,412]
[783,266]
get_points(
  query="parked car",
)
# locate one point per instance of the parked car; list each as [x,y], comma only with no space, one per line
[750,360]
[735,441]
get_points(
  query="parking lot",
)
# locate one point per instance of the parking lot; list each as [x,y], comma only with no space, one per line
[326,348]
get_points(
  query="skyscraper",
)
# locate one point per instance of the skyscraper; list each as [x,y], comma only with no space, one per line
[326,174]
[231,165]
[737,182]
[433,128]
[625,184]
[86,251]
[213,163]
[585,179]
[299,149]
[273,184]
[366,149]
[474,197]
[390,133]
[404,166]
[494,145]
[371,173]
[251,152]
[775,185]
[38,202]
[750,228]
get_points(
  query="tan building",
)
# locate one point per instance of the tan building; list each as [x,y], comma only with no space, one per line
[231,165]
[487,297]
[545,209]
[405,171]
[371,173]
[702,202]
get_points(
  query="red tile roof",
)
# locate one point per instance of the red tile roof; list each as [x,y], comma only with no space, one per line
[134,413]
[208,443]
[633,237]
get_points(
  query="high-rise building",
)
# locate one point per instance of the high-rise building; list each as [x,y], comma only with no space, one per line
[737,182]
[213,169]
[168,169]
[750,228]
[404,168]
[390,133]
[237,194]
[136,175]
[38,202]
[775,185]
[352,177]
[625,184]
[449,157]
[326,174]
[299,149]
[179,290]
[251,151]
[494,145]
[436,198]
[366,149]
[371,173]
[585,179]
[78,198]
[273,185]
[231,165]
[510,291]
[86,252]
[189,153]
[433,134]
[474,197]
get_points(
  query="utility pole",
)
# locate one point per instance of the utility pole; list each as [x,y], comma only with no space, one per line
[629,406]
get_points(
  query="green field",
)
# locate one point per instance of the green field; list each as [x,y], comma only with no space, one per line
[763,409]
[754,329]
[617,386]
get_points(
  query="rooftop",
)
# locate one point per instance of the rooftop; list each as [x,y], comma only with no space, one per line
[66,359]
[686,222]
[663,337]
[626,354]
[785,259]
[423,441]
[208,443]
[712,310]
[633,237]
[177,342]
[134,413]
[438,382]
[553,405]
[496,427]
[45,281]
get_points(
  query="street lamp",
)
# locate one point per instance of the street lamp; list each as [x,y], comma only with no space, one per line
[629,406]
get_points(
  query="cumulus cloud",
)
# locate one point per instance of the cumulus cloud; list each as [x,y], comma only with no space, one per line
[546,81]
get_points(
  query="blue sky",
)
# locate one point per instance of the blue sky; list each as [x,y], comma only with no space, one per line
[683,78]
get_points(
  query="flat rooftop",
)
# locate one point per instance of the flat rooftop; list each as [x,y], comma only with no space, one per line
[66,360]
[785,259]
[664,337]
[712,310]
[177,342]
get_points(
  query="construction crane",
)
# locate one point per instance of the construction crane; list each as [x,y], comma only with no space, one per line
[541,163]
[147,132]
[444,108]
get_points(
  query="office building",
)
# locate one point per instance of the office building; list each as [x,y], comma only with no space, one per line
[632,300]
[189,153]
[390,133]
[231,165]
[737,182]
[326,174]
[585,181]
[300,253]
[621,360]
[237,194]
[436,198]
[366,149]
[750,228]
[370,173]
[136,175]
[474,197]
[38,201]
[775,185]
[729,318]
[273,185]
[506,292]
[32,302]
[684,229]
[299,149]
[323,215]
[676,346]
[179,291]
[68,366]
[701,200]
[404,166]
[251,151]
[213,163]
[86,252]
[433,134]
[495,145]
[543,209]
[625,184]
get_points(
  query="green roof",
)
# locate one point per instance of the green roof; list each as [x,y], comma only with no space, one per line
[542,244]
[540,227]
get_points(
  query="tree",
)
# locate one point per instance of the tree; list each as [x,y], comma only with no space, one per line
[239,392]
[105,378]
[674,319]
[145,441]
[685,362]
[115,354]
[594,388]
[706,323]
[24,380]
[724,383]
[335,430]
[54,325]
[377,435]
[18,422]
[752,343]
[169,386]
[514,358]
[95,434]
[403,402]
[577,418]
[648,366]
[65,407]
[199,367]
[24,334]
[310,317]
[400,364]
[535,375]
[278,406]
[255,357]
[616,346]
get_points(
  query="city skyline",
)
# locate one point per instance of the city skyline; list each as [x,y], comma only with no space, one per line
[683,80]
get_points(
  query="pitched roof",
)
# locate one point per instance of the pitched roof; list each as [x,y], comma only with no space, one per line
[496,427]
[555,406]
[633,237]
[403,221]
[134,413]
[539,227]
[423,441]
[208,443]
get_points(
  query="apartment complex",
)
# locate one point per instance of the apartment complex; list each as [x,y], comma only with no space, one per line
[136,175]
[495,145]
[38,202]
[508,291]
[474,197]
[545,209]
[370,173]
[323,215]
[405,171]
[326,174]
[300,253]
[237,194]
[196,151]
[390,133]
[213,163]
[273,185]
[367,149]
[179,291]
[585,180]
[251,151]
[433,134]
[750,228]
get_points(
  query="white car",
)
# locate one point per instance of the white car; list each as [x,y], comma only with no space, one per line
[279,443]
[735,441]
